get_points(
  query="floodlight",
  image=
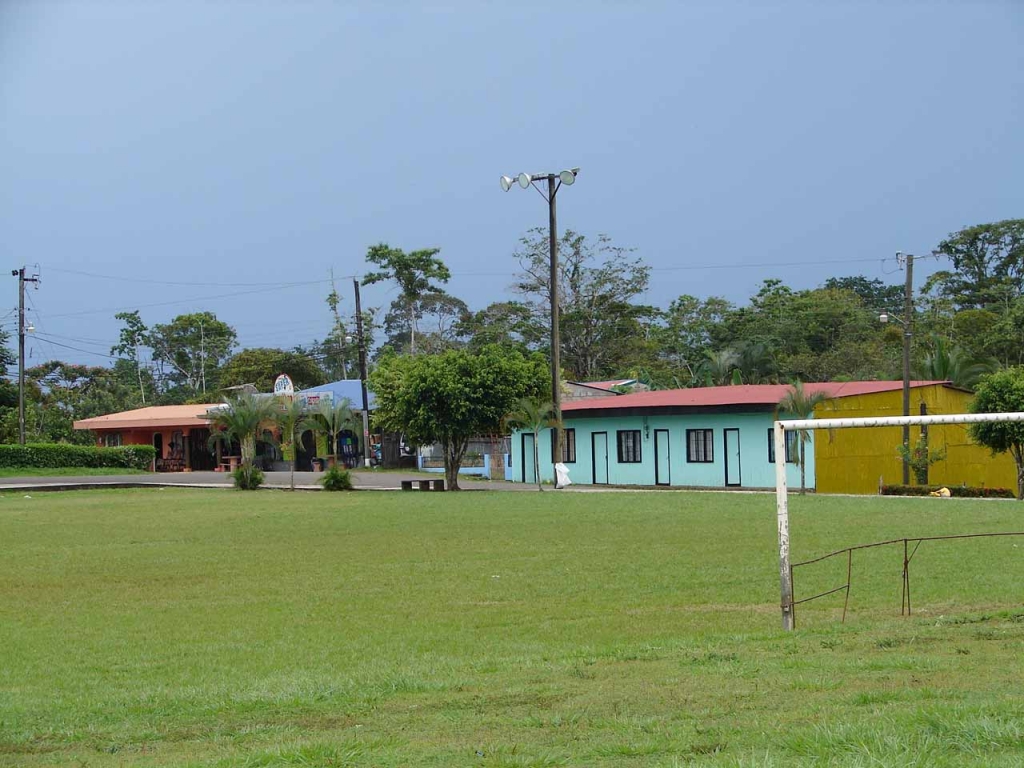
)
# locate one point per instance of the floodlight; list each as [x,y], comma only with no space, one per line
[507,182]
[568,177]
[524,180]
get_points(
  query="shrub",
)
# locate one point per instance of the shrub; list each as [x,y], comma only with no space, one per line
[248,477]
[959,491]
[60,455]
[337,479]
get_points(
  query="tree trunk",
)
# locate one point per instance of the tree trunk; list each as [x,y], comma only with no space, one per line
[412,328]
[295,458]
[1020,480]
[453,453]
[536,460]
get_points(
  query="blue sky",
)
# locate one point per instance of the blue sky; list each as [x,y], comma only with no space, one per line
[204,152]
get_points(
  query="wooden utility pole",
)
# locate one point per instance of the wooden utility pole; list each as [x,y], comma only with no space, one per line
[20,274]
[908,332]
[362,376]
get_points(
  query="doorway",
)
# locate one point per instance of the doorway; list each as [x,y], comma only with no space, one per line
[732,458]
[599,457]
[662,458]
[529,458]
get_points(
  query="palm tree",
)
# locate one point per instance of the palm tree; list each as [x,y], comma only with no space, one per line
[243,418]
[333,418]
[718,368]
[801,404]
[291,418]
[951,363]
[533,416]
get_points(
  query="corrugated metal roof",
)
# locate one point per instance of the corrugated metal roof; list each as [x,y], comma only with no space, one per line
[605,384]
[741,394]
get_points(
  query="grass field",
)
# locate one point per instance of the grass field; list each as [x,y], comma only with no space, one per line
[216,628]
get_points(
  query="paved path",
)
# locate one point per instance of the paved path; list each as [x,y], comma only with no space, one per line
[307,481]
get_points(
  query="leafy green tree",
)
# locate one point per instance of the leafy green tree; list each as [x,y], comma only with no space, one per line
[192,347]
[415,274]
[692,328]
[875,295]
[800,403]
[533,415]
[437,316]
[454,396]
[988,265]
[244,418]
[134,336]
[506,323]
[602,327]
[259,366]
[944,362]
[1002,392]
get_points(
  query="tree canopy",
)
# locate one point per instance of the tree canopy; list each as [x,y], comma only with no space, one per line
[1002,392]
[453,396]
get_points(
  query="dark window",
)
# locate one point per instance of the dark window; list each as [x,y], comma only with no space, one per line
[629,446]
[700,446]
[791,446]
[112,439]
[569,446]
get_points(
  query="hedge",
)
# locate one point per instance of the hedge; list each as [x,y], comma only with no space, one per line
[961,491]
[61,455]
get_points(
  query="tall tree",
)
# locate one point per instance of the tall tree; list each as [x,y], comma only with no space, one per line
[602,326]
[134,335]
[452,397]
[988,265]
[437,316]
[505,323]
[1002,392]
[415,273]
[193,347]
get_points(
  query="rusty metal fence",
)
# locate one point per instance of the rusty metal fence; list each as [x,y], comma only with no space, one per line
[908,555]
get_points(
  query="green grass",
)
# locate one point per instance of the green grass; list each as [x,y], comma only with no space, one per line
[67,471]
[215,628]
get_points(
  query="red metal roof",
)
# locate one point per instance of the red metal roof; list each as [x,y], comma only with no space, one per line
[741,394]
[154,416]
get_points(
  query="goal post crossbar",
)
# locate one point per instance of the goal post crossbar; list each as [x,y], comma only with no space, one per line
[782,493]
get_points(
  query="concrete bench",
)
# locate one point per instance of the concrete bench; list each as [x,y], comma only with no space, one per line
[424,485]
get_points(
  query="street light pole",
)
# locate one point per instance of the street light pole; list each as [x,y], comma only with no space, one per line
[908,319]
[20,274]
[555,182]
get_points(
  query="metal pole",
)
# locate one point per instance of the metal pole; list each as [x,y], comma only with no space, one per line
[21,355]
[782,509]
[556,366]
[362,377]
[908,319]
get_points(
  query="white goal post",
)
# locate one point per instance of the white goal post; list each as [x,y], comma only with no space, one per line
[781,493]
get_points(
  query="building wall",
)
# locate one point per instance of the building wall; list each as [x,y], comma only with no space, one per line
[755,469]
[855,460]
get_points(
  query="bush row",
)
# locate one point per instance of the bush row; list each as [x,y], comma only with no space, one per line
[961,491]
[59,455]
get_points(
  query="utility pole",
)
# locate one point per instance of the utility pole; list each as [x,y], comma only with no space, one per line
[556,342]
[202,355]
[20,274]
[362,376]
[908,331]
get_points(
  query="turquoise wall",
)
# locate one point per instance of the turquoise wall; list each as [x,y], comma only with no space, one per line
[755,470]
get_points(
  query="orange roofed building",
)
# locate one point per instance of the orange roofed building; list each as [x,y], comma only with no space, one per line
[180,434]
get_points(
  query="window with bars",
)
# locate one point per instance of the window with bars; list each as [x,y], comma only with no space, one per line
[700,446]
[629,446]
[568,447]
[792,446]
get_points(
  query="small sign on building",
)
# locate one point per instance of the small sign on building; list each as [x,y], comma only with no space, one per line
[283,385]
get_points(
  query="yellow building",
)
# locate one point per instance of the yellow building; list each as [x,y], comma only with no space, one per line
[859,460]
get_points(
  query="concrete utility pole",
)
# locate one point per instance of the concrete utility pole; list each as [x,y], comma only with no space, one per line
[20,274]
[362,376]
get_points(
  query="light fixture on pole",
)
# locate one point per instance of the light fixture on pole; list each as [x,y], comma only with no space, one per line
[554,183]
